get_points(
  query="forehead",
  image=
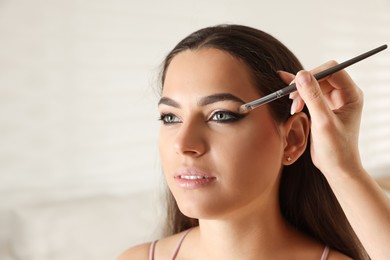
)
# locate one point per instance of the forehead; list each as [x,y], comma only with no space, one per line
[208,71]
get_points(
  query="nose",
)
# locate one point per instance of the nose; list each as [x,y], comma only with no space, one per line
[191,139]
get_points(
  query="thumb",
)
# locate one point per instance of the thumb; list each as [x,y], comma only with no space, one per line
[311,93]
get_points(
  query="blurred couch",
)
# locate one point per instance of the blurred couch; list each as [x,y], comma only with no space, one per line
[98,227]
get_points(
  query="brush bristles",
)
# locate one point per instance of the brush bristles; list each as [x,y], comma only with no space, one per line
[244,109]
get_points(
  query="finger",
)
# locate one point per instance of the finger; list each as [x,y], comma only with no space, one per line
[294,95]
[323,67]
[286,76]
[348,90]
[338,88]
[310,92]
[338,80]
[297,104]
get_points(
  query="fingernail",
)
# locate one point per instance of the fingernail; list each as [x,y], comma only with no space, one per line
[293,108]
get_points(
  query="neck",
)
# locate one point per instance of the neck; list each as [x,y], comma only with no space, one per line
[251,235]
[247,235]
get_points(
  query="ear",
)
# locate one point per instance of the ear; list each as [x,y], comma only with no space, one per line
[296,134]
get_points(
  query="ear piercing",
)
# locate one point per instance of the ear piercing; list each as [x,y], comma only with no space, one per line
[289,158]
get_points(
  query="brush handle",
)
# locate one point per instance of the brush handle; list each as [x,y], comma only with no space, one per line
[327,72]
[291,88]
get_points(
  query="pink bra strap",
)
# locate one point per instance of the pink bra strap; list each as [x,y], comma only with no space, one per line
[325,253]
[179,244]
[151,250]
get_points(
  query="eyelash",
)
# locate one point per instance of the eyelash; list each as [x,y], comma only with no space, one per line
[232,117]
[163,118]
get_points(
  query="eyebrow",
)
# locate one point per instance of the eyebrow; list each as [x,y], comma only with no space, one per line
[204,101]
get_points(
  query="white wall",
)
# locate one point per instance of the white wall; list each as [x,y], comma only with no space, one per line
[78,111]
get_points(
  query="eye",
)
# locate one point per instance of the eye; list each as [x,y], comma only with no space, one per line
[225,117]
[169,119]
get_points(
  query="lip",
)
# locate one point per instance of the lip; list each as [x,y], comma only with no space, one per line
[193,178]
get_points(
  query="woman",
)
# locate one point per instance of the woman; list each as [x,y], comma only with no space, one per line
[276,183]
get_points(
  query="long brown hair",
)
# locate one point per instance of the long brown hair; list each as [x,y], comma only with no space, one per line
[306,199]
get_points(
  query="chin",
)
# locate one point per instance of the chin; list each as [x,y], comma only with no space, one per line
[198,210]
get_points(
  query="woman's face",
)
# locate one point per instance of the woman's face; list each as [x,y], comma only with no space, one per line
[216,162]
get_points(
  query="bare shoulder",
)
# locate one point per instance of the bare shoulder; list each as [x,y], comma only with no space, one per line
[136,252]
[163,248]
[336,255]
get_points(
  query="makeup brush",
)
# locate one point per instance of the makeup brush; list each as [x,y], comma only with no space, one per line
[243,109]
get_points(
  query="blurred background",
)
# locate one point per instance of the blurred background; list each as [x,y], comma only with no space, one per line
[79,168]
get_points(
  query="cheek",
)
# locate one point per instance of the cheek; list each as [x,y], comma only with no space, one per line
[165,150]
[252,154]
[169,159]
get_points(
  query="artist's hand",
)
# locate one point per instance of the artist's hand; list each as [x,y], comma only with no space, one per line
[335,105]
